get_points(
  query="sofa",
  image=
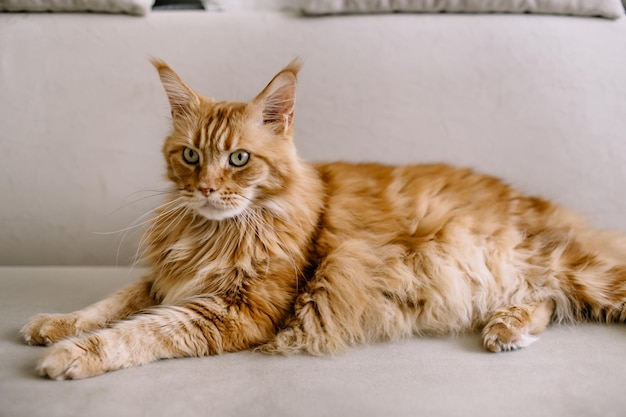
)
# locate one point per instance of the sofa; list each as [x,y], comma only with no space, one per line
[536,99]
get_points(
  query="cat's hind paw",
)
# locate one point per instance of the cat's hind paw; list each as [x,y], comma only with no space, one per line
[287,341]
[503,340]
[515,327]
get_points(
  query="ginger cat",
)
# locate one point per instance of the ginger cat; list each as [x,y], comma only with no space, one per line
[257,249]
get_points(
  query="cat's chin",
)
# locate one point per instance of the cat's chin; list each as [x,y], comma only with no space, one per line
[212,213]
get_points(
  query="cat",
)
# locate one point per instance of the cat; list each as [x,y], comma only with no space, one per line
[256,249]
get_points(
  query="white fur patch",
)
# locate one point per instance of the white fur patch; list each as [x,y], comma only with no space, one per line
[525,339]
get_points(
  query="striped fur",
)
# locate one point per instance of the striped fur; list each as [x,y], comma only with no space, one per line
[257,249]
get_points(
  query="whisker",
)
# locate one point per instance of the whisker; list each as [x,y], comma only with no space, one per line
[162,217]
[172,223]
[153,220]
[157,193]
[134,226]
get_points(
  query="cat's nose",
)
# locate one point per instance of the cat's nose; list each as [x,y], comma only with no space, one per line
[206,191]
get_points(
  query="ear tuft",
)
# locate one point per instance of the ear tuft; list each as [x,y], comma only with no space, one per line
[182,98]
[278,99]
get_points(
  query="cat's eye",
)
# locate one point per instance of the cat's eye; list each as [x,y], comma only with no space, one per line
[190,156]
[239,158]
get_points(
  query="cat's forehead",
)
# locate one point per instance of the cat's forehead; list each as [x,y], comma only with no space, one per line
[222,126]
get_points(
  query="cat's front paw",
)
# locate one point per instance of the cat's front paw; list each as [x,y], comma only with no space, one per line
[72,359]
[46,329]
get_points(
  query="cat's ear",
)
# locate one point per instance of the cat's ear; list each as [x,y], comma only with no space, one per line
[183,100]
[277,101]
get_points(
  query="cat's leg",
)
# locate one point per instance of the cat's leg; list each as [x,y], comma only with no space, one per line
[45,329]
[199,327]
[350,300]
[312,329]
[515,327]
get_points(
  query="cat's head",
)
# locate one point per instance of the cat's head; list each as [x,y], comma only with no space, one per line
[225,157]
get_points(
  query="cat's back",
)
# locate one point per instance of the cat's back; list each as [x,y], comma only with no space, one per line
[420,200]
[396,187]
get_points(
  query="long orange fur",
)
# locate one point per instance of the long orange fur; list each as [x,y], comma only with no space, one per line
[257,249]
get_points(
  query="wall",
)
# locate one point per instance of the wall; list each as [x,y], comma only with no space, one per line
[537,100]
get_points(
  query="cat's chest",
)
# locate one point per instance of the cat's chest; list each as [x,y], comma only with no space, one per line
[191,268]
[206,259]
[177,286]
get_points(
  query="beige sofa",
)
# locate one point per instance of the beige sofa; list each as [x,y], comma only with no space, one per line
[538,100]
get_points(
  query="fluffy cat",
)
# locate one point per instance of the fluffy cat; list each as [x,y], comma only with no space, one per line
[257,249]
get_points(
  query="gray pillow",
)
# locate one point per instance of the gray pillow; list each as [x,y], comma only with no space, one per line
[134,7]
[611,9]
